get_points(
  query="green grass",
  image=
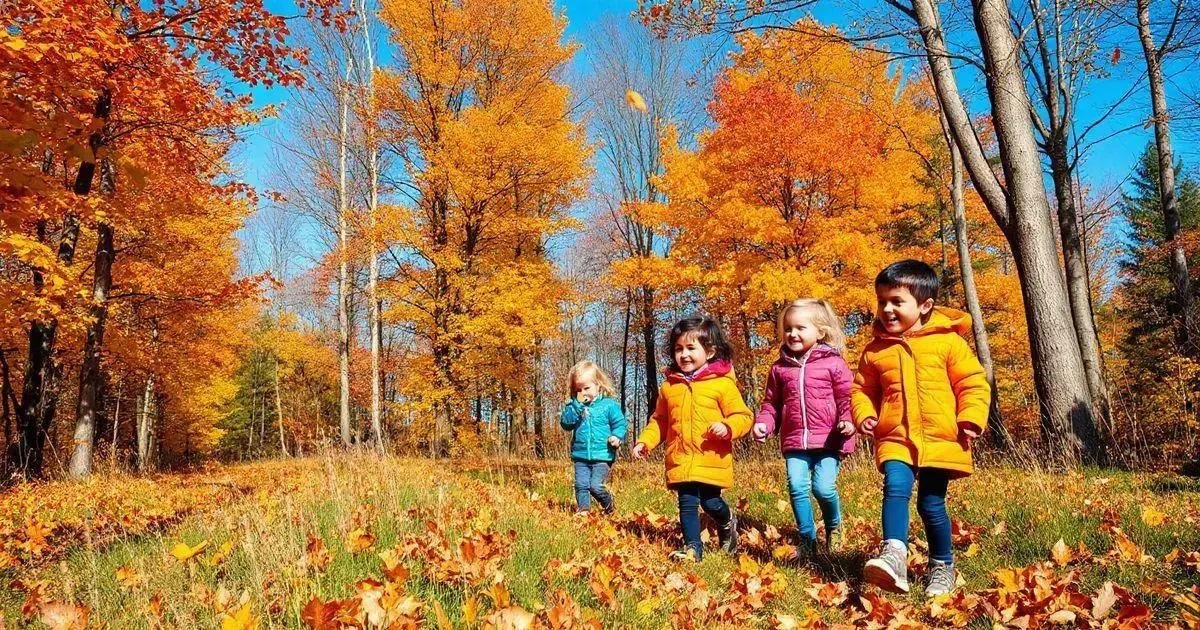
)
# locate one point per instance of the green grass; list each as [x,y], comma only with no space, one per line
[270,531]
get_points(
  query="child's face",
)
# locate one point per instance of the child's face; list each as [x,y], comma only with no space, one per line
[898,310]
[586,387]
[799,331]
[689,354]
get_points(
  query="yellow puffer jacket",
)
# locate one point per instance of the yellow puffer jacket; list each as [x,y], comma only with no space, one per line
[681,419]
[921,386]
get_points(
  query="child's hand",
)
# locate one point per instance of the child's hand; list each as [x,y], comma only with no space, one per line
[868,425]
[759,431]
[639,451]
[614,441]
[967,433]
[719,430]
[846,427]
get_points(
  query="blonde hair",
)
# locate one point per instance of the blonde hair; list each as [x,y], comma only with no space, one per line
[823,316]
[589,368]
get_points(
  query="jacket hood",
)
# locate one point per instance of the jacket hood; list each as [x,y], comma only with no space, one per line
[713,369]
[819,351]
[941,320]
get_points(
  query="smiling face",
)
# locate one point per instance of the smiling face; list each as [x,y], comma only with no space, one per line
[800,332]
[689,354]
[898,310]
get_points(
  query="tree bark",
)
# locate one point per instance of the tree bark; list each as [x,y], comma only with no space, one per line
[1023,213]
[373,205]
[651,369]
[343,262]
[89,371]
[145,427]
[279,412]
[37,405]
[983,348]
[1186,333]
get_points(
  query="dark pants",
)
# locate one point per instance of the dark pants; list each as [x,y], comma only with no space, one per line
[898,478]
[589,482]
[694,495]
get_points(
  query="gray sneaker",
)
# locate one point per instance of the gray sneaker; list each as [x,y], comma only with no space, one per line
[941,580]
[889,570]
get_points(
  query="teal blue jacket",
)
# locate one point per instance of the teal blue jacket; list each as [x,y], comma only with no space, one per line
[592,424]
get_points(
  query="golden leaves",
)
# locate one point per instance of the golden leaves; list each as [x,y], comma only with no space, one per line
[635,101]
[184,553]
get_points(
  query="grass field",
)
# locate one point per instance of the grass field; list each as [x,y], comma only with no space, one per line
[363,541]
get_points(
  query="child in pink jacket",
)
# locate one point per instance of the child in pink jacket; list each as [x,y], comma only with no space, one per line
[807,400]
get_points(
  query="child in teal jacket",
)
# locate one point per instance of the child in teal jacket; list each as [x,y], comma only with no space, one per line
[594,417]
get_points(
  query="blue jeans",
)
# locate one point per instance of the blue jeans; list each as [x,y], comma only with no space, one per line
[813,472]
[694,495]
[898,480]
[589,482]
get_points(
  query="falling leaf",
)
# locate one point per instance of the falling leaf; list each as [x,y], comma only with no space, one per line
[1116,55]
[635,101]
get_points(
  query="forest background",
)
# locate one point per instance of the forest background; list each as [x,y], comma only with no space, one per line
[235,231]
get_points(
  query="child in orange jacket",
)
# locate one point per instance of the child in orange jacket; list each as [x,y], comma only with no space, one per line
[922,393]
[699,414]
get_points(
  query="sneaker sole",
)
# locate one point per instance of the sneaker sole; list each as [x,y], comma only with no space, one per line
[880,575]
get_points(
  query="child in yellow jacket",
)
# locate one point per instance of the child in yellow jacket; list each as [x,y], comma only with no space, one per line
[922,393]
[699,414]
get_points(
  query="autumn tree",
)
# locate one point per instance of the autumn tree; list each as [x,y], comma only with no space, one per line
[1016,198]
[474,108]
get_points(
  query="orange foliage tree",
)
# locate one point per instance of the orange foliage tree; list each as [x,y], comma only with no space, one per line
[115,122]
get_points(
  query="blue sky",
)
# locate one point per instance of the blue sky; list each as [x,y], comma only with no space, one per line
[1106,165]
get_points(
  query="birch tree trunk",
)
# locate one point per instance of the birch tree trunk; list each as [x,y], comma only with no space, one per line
[144,426]
[343,262]
[1186,333]
[279,412]
[376,322]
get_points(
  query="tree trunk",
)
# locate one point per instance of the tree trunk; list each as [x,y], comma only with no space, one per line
[1023,213]
[1079,290]
[89,371]
[344,264]
[539,408]
[1186,333]
[116,434]
[144,427]
[373,288]
[279,412]
[983,348]
[651,369]
[625,349]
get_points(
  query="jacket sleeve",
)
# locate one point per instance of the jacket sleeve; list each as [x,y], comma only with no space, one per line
[769,411]
[864,392]
[737,415]
[572,415]
[843,380]
[656,427]
[617,424]
[970,384]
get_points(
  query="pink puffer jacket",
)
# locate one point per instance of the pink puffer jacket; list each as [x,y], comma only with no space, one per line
[806,397]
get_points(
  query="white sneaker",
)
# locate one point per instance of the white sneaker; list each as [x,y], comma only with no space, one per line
[889,570]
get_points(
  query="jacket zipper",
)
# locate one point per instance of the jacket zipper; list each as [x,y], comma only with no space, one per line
[800,391]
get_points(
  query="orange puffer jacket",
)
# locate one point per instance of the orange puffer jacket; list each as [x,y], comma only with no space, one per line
[922,386]
[685,410]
